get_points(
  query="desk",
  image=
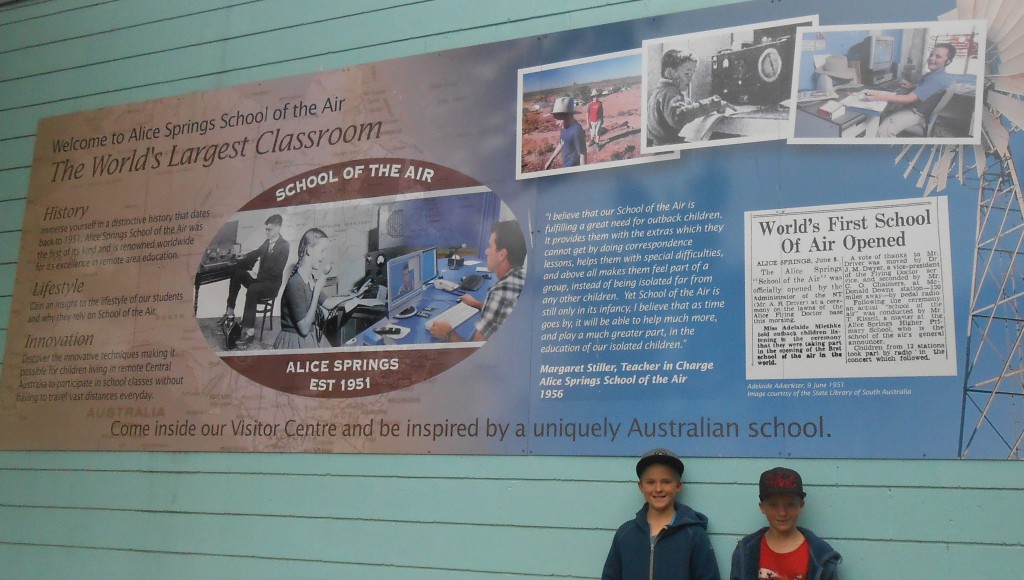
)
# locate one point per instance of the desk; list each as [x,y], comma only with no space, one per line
[210,273]
[741,121]
[342,325]
[434,298]
[849,125]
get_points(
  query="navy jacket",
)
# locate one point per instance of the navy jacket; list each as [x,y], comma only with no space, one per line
[682,551]
[746,558]
[274,261]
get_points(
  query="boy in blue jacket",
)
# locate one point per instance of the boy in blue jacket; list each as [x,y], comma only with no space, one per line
[783,551]
[667,540]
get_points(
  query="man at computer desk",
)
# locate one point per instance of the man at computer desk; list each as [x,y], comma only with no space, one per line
[506,253]
[922,99]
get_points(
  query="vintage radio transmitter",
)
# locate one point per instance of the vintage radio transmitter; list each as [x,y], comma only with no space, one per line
[223,249]
[756,75]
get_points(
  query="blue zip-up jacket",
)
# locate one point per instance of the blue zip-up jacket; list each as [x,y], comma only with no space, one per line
[746,558]
[682,551]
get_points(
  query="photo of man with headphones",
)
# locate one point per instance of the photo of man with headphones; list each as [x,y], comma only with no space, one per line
[923,99]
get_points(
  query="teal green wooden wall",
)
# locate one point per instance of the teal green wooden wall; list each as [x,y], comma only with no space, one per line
[180,515]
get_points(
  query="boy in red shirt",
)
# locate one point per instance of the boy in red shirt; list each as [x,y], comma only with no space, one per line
[783,551]
[595,118]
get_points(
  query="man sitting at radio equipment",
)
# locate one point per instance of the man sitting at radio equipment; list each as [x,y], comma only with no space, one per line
[923,99]
[506,254]
[669,107]
[272,256]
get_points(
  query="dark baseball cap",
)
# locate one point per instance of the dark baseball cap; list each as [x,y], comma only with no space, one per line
[662,456]
[781,480]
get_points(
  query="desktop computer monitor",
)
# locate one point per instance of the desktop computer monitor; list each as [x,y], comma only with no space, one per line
[405,284]
[428,258]
[876,55]
[881,52]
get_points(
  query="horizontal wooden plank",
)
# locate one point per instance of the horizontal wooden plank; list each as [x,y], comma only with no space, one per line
[9,244]
[16,152]
[5,312]
[909,560]
[817,473]
[12,214]
[493,501]
[19,12]
[7,273]
[145,31]
[81,18]
[14,182]
[430,545]
[25,561]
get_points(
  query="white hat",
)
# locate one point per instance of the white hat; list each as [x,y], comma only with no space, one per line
[838,67]
[562,105]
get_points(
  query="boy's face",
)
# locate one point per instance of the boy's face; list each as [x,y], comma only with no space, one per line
[782,511]
[273,230]
[684,74]
[660,486]
[938,58]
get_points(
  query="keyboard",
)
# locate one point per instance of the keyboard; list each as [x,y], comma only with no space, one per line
[890,85]
[894,86]
[455,315]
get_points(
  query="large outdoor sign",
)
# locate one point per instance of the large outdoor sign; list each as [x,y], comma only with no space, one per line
[749,231]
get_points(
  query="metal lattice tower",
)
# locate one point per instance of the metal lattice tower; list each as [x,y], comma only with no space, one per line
[994,368]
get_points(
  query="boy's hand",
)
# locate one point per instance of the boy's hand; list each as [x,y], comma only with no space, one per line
[716,104]
[470,301]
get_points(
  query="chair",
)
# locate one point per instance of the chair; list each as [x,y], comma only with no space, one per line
[951,90]
[266,308]
[929,130]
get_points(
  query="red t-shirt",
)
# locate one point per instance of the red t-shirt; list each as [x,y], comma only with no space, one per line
[595,111]
[789,566]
